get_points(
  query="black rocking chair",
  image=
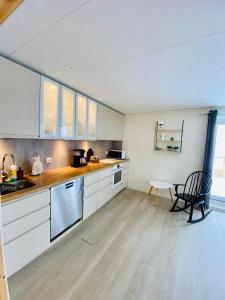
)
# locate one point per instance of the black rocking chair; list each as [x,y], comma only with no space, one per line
[195,191]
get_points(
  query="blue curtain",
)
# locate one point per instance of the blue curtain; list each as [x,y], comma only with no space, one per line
[210,146]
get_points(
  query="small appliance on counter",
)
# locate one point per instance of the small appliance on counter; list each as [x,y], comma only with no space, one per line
[90,153]
[78,158]
[118,154]
[91,157]
[37,168]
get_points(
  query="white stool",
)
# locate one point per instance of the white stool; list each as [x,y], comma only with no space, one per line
[160,185]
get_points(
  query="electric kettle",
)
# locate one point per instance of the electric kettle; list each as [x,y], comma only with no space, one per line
[37,168]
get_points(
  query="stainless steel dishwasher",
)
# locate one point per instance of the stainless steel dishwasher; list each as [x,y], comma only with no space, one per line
[66,206]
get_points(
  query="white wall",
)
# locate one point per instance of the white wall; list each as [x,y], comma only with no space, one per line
[146,164]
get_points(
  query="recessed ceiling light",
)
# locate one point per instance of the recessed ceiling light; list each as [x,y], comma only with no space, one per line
[68,67]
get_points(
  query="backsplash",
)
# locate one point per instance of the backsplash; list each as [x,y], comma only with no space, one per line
[59,150]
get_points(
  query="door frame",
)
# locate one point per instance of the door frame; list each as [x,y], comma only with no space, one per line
[220,121]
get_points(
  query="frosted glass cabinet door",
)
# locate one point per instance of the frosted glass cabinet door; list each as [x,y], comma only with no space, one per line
[50,92]
[92,115]
[67,120]
[81,117]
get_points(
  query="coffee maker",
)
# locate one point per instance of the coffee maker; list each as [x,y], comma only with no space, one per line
[78,158]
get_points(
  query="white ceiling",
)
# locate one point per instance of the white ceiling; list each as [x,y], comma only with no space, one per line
[133,55]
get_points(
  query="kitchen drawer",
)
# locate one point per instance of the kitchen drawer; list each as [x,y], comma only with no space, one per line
[18,209]
[21,251]
[105,182]
[125,172]
[117,189]
[104,196]
[105,173]
[88,191]
[125,182]
[17,228]
[90,179]
[90,205]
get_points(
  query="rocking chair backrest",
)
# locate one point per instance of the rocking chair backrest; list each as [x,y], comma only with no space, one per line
[198,183]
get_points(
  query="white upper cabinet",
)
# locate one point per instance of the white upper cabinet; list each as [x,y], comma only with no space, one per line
[67,120]
[19,98]
[66,114]
[92,119]
[86,118]
[50,106]
[110,124]
[81,116]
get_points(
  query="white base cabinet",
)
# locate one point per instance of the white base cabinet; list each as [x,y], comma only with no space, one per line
[98,189]
[26,230]
[24,249]
[104,196]
[90,205]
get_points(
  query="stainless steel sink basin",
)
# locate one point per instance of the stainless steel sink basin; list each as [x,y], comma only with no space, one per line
[11,187]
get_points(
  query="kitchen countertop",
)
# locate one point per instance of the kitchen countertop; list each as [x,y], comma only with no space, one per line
[56,176]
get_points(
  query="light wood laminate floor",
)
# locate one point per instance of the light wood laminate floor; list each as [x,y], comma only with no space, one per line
[131,249]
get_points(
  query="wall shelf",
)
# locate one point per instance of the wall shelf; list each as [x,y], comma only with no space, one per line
[168,140]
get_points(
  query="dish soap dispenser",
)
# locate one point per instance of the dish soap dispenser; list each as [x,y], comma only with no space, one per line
[13,173]
[37,168]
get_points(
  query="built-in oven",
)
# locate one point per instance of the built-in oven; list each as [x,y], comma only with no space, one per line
[117,175]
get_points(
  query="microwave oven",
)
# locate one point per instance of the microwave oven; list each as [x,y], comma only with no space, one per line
[118,154]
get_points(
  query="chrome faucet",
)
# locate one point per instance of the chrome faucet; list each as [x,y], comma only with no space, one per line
[4,172]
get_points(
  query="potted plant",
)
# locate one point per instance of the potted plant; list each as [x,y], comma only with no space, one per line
[169,148]
[176,148]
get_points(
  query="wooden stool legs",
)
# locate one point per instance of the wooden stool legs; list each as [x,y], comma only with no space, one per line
[150,190]
[171,197]
[157,197]
[156,194]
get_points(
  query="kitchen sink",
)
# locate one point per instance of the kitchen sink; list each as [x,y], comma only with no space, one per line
[12,187]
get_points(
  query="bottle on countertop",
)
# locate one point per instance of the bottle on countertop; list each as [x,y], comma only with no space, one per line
[20,174]
[13,173]
[5,176]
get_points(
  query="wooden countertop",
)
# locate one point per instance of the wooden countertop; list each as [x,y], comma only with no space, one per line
[54,177]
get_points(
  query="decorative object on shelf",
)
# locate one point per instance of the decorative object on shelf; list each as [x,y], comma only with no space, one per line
[169,148]
[158,148]
[163,136]
[167,139]
[160,124]
[176,148]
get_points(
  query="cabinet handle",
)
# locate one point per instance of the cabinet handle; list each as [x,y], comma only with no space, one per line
[69,185]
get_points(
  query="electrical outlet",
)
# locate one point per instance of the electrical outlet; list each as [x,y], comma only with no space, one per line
[48,160]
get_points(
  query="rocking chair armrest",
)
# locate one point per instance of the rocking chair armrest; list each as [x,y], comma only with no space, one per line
[203,194]
[176,187]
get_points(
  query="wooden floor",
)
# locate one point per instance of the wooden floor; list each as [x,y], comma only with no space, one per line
[131,250]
